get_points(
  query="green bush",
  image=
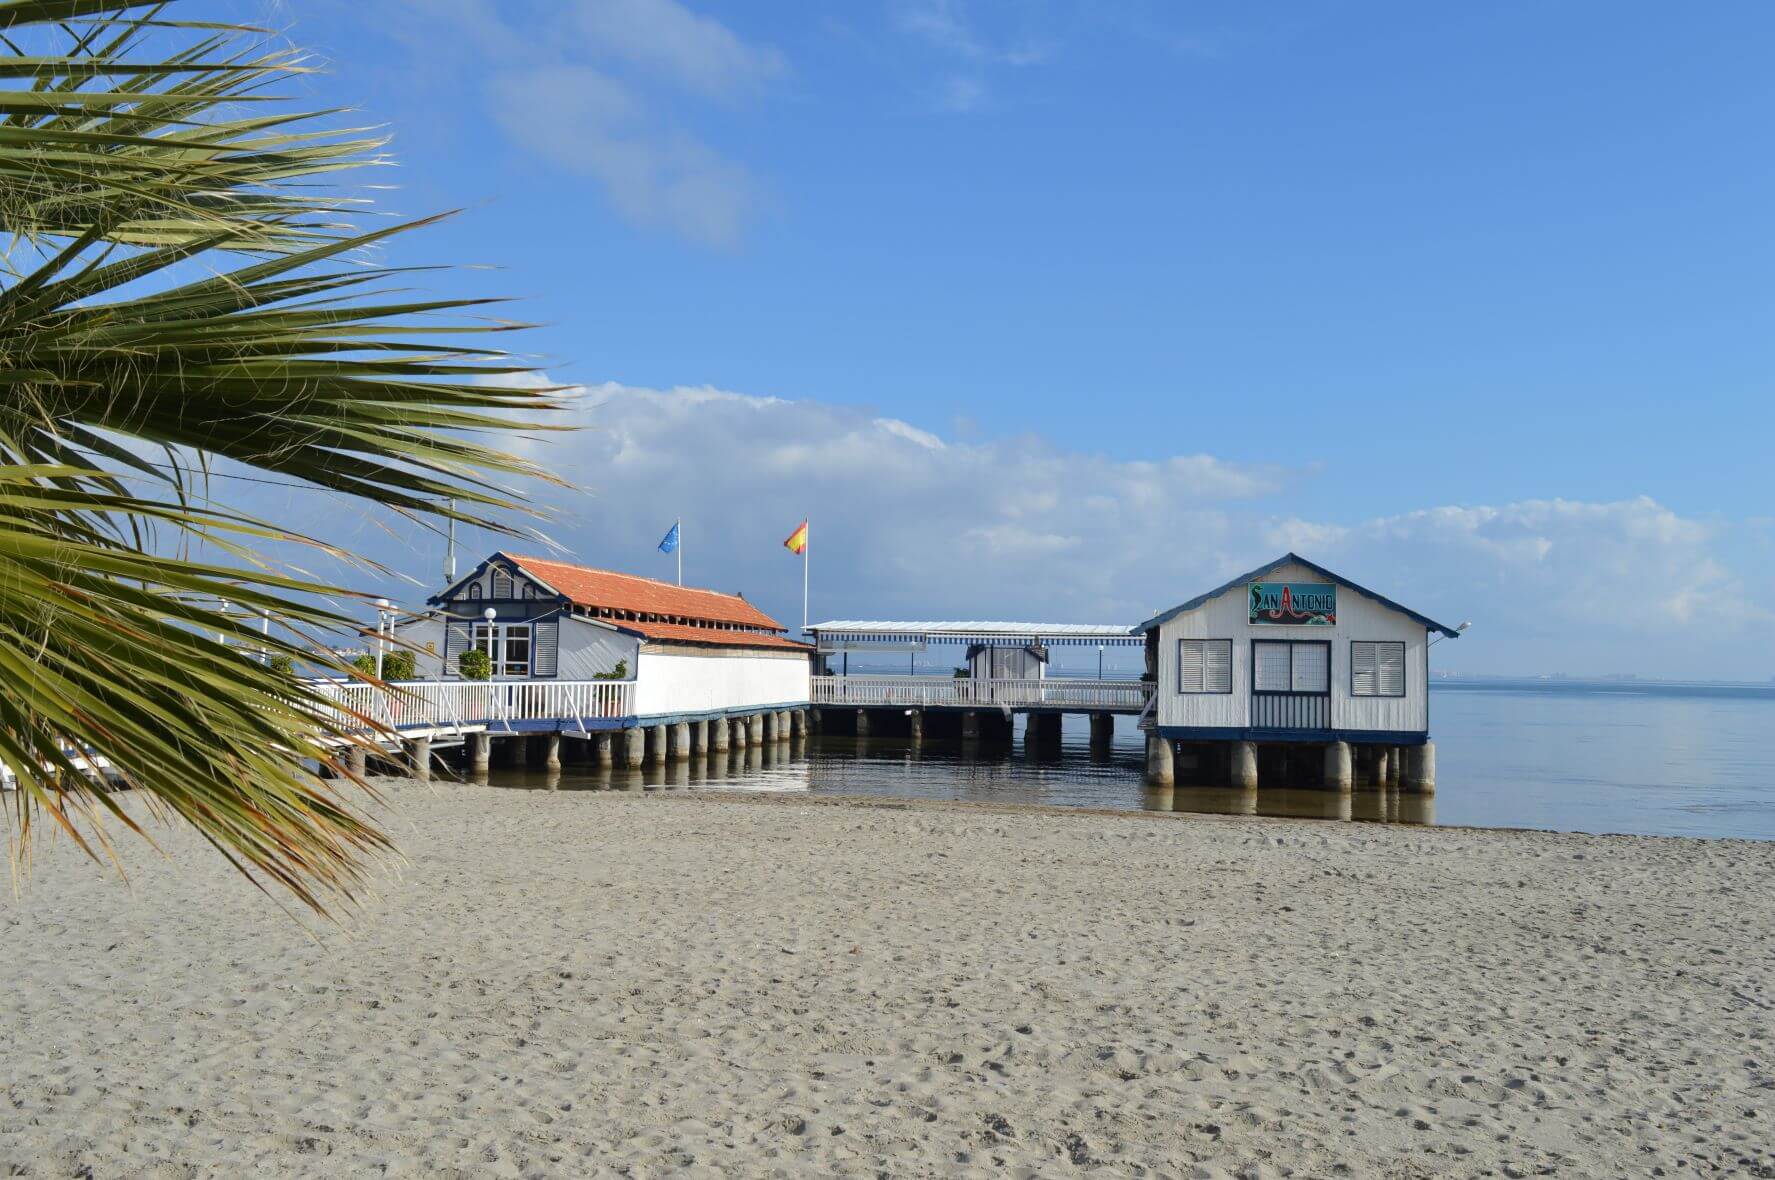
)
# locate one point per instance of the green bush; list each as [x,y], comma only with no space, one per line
[620,672]
[399,665]
[365,663]
[474,664]
[282,663]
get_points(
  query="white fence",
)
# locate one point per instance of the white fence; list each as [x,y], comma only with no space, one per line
[446,704]
[1129,696]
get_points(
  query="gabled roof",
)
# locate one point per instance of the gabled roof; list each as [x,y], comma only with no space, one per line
[609,590]
[1294,559]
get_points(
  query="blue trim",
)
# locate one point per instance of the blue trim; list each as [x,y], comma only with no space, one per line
[1295,559]
[571,725]
[1206,733]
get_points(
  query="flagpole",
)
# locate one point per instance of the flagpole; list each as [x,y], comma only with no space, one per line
[678,525]
[806,552]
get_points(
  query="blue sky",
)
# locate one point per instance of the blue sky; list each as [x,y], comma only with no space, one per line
[1471,301]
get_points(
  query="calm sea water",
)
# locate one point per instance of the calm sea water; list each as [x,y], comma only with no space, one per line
[1652,760]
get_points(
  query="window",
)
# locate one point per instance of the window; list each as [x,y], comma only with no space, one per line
[529,590]
[1312,667]
[517,650]
[507,646]
[1272,667]
[1302,668]
[474,592]
[1204,665]
[502,584]
[1377,669]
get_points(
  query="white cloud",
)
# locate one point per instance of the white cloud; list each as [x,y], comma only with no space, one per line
[697,52]
[946,27]
[909,523]
[600,88]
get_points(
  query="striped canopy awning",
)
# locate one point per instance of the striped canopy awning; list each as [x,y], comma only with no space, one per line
[872,635]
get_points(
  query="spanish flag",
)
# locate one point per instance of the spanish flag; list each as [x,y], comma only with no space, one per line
[797,542]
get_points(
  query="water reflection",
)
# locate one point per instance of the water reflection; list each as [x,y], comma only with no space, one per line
[1072,772]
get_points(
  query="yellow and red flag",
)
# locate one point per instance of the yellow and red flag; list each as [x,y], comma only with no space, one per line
[797,542]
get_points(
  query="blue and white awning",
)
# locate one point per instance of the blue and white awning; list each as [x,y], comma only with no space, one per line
[875,635]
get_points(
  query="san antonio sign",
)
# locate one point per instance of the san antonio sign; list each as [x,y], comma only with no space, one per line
[1294,604]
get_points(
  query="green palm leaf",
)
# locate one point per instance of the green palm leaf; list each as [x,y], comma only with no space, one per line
[175,291]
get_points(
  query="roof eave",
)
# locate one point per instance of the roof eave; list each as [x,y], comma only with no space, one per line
[1292,558]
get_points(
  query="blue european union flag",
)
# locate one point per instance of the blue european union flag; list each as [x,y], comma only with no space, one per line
[669,543]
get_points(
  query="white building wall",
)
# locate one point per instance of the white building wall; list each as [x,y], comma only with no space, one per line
[1358,618]
[428,636]
[686,679]
[589,649]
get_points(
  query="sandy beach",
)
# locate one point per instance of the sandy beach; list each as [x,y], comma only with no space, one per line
[607,984]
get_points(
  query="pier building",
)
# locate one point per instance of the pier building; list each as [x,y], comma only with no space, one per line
[1293,671]
[636,669]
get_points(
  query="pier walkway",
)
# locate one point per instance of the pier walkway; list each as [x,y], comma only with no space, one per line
[1049,694]
[412,718]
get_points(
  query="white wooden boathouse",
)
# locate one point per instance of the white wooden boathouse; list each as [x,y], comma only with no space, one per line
[1290,656]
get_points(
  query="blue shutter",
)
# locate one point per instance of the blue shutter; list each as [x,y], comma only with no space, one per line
[546,659]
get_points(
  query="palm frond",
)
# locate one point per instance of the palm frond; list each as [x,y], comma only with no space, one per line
[175,287]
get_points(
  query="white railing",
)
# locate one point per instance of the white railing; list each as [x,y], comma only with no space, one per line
[921,691]
[443,704]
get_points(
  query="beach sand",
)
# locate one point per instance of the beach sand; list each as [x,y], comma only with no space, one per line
[600,984]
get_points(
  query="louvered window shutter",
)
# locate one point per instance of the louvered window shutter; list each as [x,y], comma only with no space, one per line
[1390,669]
[1189,665]
[1217,666]
[548,648]
[1362,682]
[502,584]
[455,643]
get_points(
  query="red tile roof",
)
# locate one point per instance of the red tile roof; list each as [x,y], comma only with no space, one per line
[717,636]
[608,590]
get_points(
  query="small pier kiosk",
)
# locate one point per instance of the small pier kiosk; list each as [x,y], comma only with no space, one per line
[1291,674]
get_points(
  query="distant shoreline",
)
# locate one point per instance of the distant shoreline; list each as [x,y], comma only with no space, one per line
[1716,689]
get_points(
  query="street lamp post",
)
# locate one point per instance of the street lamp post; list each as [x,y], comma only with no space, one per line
[492,638]
[1100,661]
[382,605]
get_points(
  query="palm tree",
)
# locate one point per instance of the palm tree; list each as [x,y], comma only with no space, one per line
[180,283]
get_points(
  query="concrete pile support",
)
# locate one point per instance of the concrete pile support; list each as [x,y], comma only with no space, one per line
[862,723]
[1420,769]
[1339,772]
[1395,765]
[1383,758]
[915,724]
[718,735]
[634,747]
[770,727]
[1242,766]
[699,739]
[798,723]
[680,741]
[603,747]
[970,726]
[1161,769]
[480,752]
[1103,730]
[755,730]
[357,760]
[783,725]
[551,751]
[418,752]
[657,739]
